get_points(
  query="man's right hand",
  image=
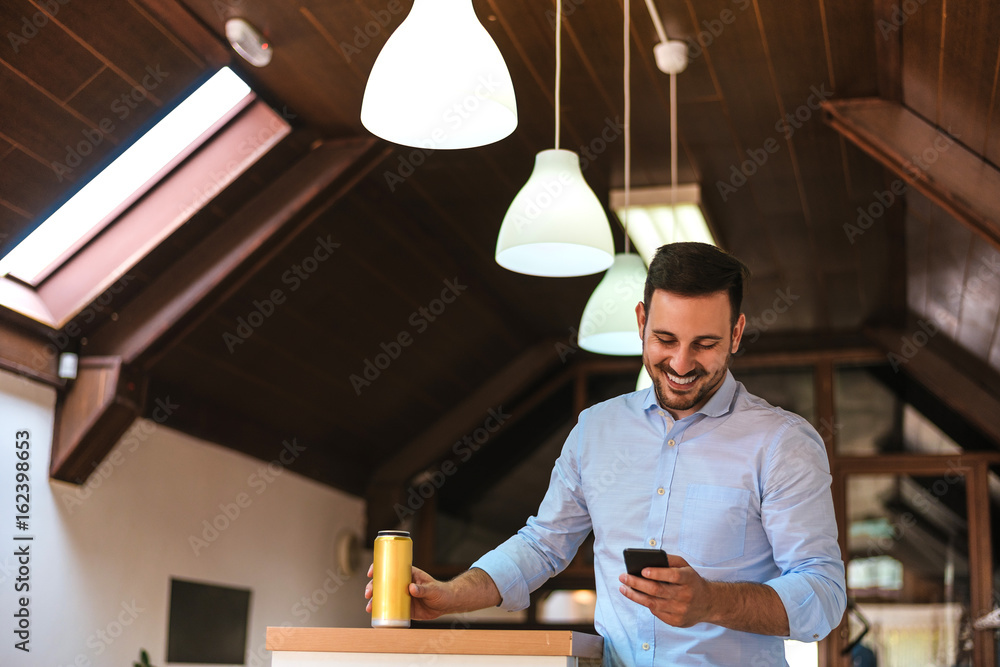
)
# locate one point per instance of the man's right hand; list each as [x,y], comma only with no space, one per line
[431,598]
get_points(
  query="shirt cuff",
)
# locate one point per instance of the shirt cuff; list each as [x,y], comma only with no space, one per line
[508,579]
[806,620]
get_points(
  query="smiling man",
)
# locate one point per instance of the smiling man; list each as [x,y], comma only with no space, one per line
[736,491]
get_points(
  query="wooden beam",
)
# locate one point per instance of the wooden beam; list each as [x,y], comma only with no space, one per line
[95,411]
[981,556]
[28,352]
[931,365]
[179,299]
[387,484]
[934,163]
[101,404]
[196,36]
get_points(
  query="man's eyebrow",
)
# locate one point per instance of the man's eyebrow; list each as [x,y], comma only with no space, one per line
[664,332]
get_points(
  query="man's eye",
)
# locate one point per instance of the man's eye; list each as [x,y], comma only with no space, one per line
[706,347]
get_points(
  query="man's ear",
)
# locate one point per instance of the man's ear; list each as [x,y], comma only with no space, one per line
[741,322]
[640,318]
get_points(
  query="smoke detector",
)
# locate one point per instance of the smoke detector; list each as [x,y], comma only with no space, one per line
[247,41]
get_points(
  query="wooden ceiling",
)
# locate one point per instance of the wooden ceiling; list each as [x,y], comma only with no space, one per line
[415,259]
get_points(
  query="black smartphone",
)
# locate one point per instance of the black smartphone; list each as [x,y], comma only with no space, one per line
[638,559]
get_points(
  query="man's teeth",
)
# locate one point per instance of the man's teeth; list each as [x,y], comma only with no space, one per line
[680,380]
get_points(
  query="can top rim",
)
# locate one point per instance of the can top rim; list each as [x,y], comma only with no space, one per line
[393,533]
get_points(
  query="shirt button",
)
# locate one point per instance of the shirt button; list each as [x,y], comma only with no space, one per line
[671,442]
[652,543]
[660,491]
[645,646]
[660,413]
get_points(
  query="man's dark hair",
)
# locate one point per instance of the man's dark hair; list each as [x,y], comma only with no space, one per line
[696,269]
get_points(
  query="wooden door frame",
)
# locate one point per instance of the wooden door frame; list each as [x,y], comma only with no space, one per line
[973,466]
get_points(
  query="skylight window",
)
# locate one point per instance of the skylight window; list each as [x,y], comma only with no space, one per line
[127,178]
[656,216]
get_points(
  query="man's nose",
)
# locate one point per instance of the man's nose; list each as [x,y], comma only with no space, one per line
[682,362]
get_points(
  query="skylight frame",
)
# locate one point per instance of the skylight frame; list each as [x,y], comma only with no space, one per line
[651,221]
[131,175]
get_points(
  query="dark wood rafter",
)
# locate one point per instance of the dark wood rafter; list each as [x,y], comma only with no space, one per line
[26,351]
[888,51]
[104,400]
[387,485]
[934,163]
[177,20]
[188,292]
[935,367]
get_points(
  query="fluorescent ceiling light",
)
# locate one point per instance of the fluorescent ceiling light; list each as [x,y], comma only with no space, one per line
[654,221]
[127,178]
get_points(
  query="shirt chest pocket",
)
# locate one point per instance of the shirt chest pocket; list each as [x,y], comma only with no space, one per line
[713,524]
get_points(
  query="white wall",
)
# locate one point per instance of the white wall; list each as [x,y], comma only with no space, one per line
[103,554]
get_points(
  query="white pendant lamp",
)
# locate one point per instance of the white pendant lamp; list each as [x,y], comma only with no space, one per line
[440,81]
[556,227]
[608,325]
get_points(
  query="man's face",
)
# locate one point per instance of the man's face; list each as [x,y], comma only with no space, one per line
[687,344]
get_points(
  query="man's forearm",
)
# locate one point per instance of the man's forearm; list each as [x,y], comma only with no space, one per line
[474,589]
[749,607]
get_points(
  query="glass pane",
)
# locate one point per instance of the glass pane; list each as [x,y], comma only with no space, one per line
[867,413]
[908,569]
[792,389]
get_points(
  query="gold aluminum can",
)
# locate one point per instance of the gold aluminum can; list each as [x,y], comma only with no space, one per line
[391,579]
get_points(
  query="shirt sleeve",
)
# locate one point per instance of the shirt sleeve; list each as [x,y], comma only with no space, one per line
[797,514]
[549,540]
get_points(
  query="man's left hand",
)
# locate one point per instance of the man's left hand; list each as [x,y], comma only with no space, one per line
[677,595]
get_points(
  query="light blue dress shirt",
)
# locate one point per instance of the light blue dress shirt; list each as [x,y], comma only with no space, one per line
[740,489]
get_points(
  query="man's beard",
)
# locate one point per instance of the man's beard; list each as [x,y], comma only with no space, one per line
[667,398]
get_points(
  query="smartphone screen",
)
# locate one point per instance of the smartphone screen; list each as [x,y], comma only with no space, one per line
[637,559]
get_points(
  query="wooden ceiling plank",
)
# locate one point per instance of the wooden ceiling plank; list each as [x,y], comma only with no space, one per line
[888,51]
[198,43]
[934,368]
[177,300]
[967,72]
[992,152]
[943,170]
[920,32]
[44,124]
[386,481]
[33,50]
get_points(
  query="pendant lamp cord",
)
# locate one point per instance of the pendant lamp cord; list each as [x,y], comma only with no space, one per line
[628,123]
[673,156]
[558,63]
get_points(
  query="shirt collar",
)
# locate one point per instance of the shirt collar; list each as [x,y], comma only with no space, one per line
[719,404]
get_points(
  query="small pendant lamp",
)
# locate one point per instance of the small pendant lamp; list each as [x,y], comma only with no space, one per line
[556,226]
[440,81]
[608,325]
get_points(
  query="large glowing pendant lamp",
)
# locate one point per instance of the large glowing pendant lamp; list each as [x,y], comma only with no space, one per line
[556,227]
[440,81]
[608,325]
